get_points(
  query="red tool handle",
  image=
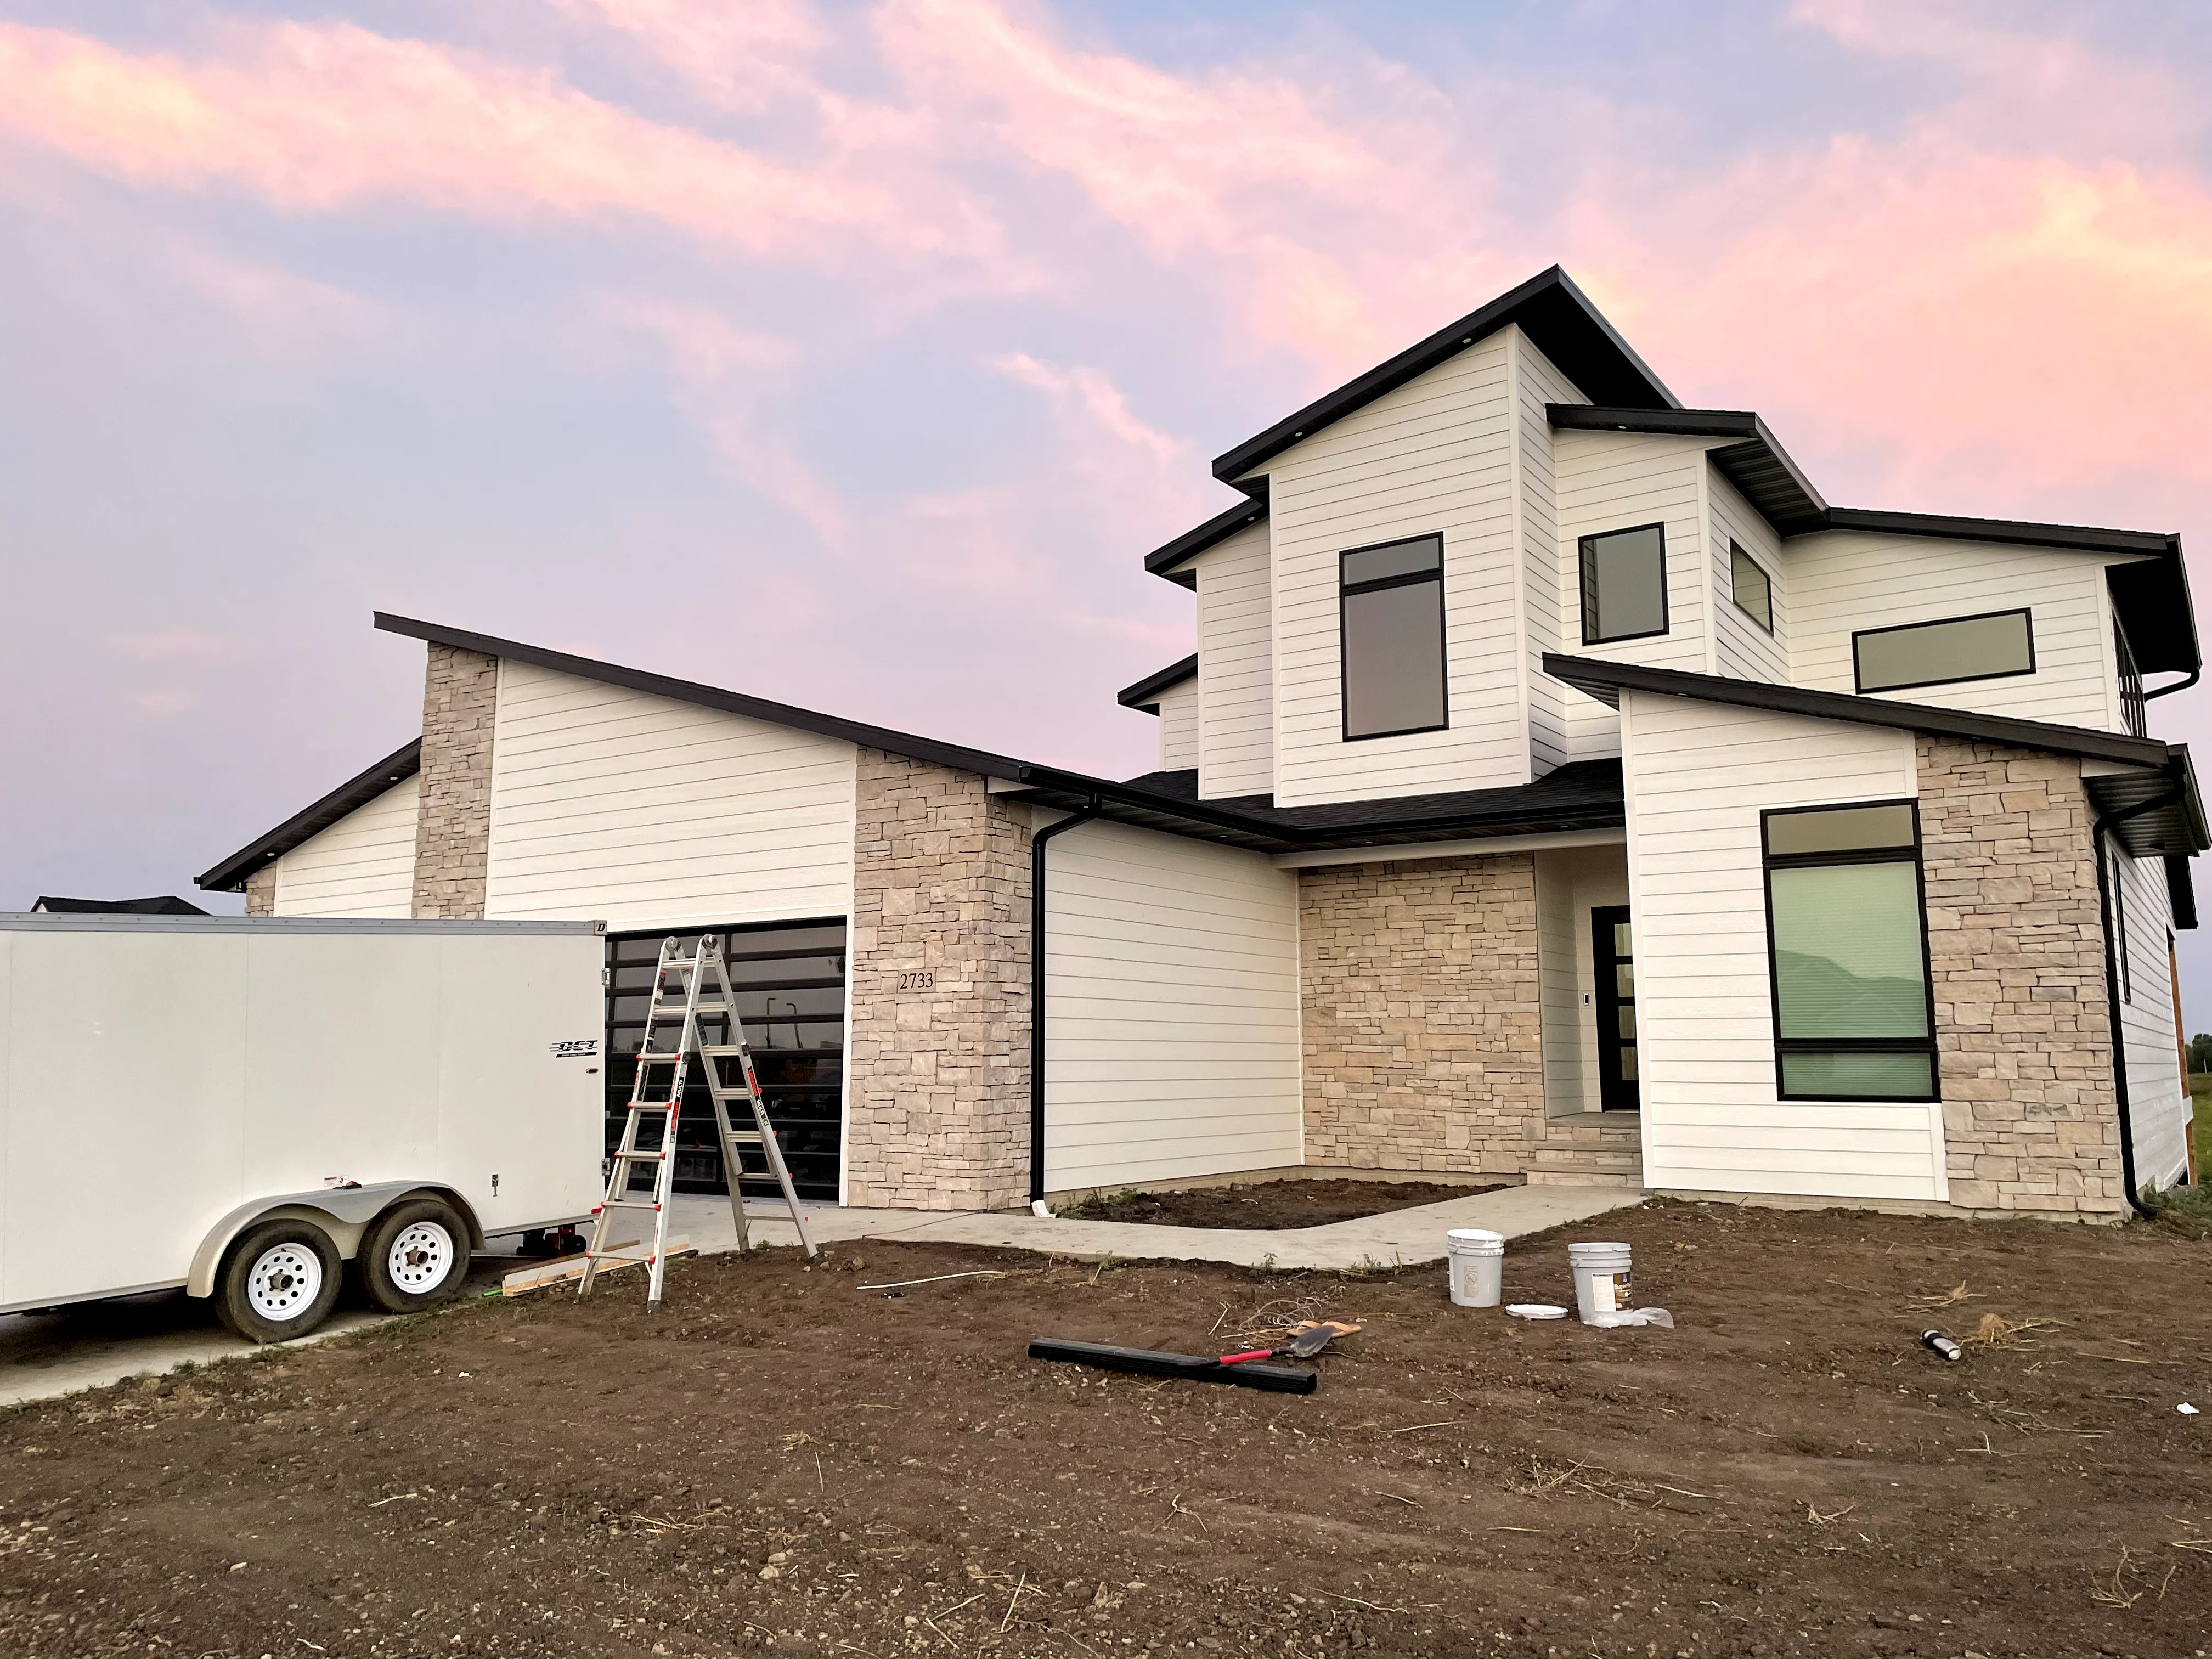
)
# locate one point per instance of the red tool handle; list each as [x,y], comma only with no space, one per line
[1256,1353]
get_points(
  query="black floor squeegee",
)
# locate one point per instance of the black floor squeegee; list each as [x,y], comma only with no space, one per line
[1194,1368]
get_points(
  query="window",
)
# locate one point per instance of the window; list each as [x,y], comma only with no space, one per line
[1393,622]
[1625,585]
[1750,587]
[1846,922]
[2132,691]
[1987,647]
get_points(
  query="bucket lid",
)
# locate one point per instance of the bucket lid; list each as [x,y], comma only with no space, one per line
[1596,1249]
[1474,1236]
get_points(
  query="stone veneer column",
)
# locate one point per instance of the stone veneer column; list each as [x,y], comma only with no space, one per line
[940,1094]
[2017,947]
[1423,1033]
[261,890]
[452,825]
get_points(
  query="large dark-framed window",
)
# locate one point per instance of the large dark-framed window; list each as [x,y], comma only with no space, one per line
[1847,953]
[789,981]
[1992,645]
[1624,577]
[1390,600]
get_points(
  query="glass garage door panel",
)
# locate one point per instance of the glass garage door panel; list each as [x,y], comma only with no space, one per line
[789,983]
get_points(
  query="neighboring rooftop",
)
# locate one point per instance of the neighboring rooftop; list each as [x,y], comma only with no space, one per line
[165,905]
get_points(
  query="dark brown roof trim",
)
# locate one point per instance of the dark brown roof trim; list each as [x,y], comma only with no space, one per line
[1145,693]
[229,876]
[1606,681]
[1164,561]
[1549,309]
[1755,464]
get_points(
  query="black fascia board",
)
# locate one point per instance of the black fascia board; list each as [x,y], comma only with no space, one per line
[1754,463]
[1597,679]
[956,755]
[2181,892]
[1551,310]
[1145,693]
[1163,561]
[364,786]
[2075,537]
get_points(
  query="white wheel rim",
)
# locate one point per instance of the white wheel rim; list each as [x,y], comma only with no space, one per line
[421,1257]
[285,1281]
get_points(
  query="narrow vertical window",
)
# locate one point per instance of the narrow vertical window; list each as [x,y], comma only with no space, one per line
[1853,1016]
[1750,586]
[2131,692]
[1392,620]
[2117,880]
[1624,584]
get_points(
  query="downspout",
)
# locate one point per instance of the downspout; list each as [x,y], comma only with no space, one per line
[2105,898]
[2181,684]
[1037,843]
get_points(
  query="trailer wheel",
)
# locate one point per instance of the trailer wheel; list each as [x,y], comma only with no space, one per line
[413,1256]
[280,1280]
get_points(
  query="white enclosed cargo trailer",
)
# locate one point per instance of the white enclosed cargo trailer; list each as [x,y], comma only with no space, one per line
[238,1105]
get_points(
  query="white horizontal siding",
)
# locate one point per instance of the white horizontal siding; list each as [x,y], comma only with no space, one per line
[1179,717]
[1616,481]
[616,806]
[1172,1009]
[1433,456]
[1843,581]
[1235,668]
[2158,1105]
[1743,649]
[361,865]
[1537,382]
[1698,776]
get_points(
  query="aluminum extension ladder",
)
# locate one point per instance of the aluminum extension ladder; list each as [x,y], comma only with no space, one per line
[678,983]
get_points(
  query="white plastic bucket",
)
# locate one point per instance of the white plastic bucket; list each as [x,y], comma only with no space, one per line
[1476,1260]
[1601,1281]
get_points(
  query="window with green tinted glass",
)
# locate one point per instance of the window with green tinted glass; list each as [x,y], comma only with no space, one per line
[1847,927]
[1624,584]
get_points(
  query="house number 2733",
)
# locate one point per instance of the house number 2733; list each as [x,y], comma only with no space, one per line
[924,980]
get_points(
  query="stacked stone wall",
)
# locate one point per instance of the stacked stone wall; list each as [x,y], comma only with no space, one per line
[1423,1033]
[453,824]
[261,890]
[939,1093]
[2016,948]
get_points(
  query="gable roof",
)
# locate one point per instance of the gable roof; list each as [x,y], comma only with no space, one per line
[1548,307]
[357,791]
[2164,768]
[1145,693]
[1755,464]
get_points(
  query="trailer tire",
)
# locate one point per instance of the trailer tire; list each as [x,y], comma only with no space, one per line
[278,1282]
[414,1255]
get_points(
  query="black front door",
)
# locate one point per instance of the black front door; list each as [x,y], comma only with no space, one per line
[1613,954]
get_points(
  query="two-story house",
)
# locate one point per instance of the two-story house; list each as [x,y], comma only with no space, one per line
[1561,788]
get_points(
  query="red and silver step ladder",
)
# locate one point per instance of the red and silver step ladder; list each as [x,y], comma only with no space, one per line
[658,1092]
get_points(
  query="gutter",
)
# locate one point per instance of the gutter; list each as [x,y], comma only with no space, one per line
[2105,901]
[1038,841]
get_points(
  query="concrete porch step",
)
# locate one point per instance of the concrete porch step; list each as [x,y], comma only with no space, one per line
[1587,1164]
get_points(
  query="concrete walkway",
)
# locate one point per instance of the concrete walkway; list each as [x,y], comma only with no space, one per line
[42,1355]
[1403,1237]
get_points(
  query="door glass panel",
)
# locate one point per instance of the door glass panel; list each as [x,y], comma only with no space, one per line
[1624,979]
[1628,1022]
[1628,1065]
[1621,946]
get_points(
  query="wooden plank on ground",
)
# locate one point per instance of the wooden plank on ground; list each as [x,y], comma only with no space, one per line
[568,1269]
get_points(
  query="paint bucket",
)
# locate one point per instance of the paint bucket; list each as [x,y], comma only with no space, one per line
[1601,1287]
[1476,1260]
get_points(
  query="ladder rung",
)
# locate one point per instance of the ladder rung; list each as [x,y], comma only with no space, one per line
[723,1050]
[643,1157]
[645,1203]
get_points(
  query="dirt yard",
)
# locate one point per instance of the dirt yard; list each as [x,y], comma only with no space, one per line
[781,1459]
[1269,1204]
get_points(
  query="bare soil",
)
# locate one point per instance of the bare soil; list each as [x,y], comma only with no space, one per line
[1269,1204]
[781,1460]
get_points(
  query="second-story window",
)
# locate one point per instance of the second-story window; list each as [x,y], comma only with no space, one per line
[1624,585]
[1392,610]
[2131,692]
[1750,588]
[1990,646]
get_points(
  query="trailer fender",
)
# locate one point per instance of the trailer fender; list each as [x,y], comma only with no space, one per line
[345,1213]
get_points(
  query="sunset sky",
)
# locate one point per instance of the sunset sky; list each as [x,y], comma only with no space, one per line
[855,355]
